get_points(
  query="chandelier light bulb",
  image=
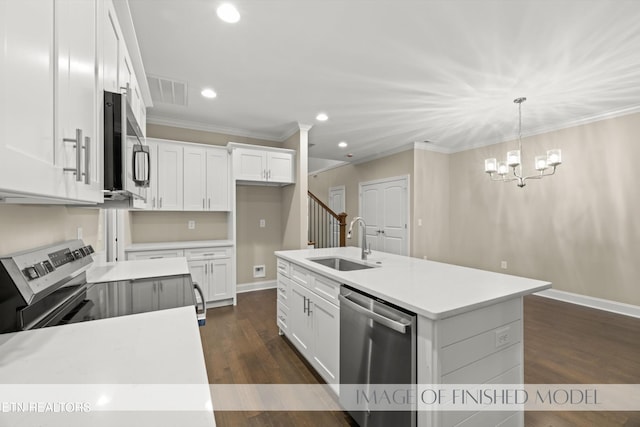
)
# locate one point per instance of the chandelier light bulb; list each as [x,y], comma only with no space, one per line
[554,157]
[541,163]
[513,158]
[491,165]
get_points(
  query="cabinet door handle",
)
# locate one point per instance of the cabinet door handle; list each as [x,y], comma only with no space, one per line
[203,204]
[206,267]
[308,307]
[209,204]
[153,202]
[87,159]
[269,174]
[156,257]
[77,143]
[160,203]
[304,305]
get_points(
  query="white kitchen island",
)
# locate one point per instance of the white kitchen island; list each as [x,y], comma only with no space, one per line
[469,321]
[142,369]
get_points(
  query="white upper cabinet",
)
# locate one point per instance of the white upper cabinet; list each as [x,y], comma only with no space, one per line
[218,179]
[203,181]
[165,176]
[49,98]
[249,165]
[206,178]
[77,145]
[263,164]
[111,48]
[195,179]
[27,161]
[170,176]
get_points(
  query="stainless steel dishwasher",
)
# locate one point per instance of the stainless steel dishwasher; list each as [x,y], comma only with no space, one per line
[377,348]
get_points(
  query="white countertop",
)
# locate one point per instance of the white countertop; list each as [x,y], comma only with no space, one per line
[160,347]
[137,269]
[431,289]
[178,245]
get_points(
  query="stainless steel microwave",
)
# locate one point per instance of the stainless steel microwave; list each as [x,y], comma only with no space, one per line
[127,160]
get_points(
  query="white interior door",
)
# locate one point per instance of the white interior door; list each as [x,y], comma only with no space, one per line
[384,208]
[370,203]
[337,204]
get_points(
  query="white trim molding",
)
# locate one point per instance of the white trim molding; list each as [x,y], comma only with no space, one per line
[206,127]
[255,286]
[592,302]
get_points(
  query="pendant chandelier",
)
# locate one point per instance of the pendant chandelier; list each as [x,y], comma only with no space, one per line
[499,171]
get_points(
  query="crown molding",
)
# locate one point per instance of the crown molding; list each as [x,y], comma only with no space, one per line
[547,129]
[206,127]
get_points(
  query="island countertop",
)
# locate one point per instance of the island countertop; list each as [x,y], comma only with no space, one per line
[432,289]
[156,349]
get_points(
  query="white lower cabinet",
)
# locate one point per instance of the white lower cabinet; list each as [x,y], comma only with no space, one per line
[326,332]
[310,320]
[210,267]
[213,276]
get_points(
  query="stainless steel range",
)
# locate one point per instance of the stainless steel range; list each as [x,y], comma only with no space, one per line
[47,286]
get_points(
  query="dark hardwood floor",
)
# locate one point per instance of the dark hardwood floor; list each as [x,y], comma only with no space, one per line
[564,344]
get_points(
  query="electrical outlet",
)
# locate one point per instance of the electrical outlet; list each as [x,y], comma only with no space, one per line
[425,257]
[419,222]
[192,225]
[79,232]
[503,337]
[503,265]
[263,223]
[259,271]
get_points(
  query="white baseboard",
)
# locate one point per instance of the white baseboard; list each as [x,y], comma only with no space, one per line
[255,286]
[587,301]
[221,303]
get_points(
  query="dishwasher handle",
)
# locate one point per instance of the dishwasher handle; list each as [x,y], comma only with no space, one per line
[385,321]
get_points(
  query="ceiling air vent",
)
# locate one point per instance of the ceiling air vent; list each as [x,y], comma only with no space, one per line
[167,91]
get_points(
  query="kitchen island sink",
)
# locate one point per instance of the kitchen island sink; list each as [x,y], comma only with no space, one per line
[341,264]
[468,322]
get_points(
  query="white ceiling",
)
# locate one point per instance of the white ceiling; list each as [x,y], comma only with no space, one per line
[391,72]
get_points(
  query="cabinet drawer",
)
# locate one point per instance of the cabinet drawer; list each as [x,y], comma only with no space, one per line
[283,287]
[301,276]
[281,320]
[284,267]
[208,253]
[326,288]
[169,253]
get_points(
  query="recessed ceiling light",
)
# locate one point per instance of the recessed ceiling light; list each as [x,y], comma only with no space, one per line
[208,93]
[322,117]
[342,144]
[228,13]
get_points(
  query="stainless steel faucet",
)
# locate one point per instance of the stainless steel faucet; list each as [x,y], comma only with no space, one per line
[365,249]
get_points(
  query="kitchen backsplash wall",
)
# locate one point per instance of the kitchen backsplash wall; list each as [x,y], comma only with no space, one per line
[578,229]
[158,226]
[28,226]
